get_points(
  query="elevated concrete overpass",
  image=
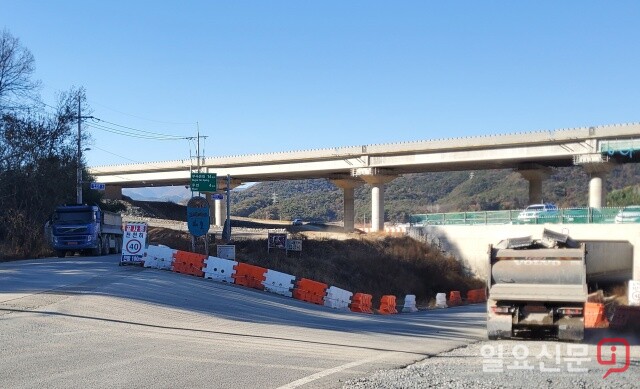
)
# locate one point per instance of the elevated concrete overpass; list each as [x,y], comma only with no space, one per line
[597,149]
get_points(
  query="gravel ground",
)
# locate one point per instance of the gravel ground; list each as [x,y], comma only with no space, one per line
[479,366]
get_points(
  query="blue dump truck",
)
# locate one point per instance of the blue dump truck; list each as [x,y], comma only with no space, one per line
[85,229]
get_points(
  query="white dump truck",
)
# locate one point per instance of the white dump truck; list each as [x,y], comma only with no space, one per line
[537,288]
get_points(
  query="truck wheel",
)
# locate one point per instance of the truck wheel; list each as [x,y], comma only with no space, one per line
[97,251]
[61,253]
[114,249]
[105,246]
[118,245]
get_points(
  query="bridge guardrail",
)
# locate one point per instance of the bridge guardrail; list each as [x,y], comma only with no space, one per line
[576,215]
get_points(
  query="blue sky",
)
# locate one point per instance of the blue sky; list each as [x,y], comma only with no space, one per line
[269,76]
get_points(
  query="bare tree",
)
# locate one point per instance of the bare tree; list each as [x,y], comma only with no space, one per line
[17,66]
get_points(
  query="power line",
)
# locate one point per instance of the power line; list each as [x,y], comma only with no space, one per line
[138,130]
[123,157]
[133,134]
[117,155]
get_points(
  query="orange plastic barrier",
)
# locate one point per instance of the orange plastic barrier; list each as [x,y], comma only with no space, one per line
[476,296]
[388,305]
[249,275]
[310,291]
[454,298]
[188,263]
[361,302]
[594,316]
[472,296]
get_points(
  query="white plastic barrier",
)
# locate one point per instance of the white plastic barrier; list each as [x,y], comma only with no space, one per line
[279,283]
[158,257]
[219,269]
[441,300]
[410,303]
[337,298]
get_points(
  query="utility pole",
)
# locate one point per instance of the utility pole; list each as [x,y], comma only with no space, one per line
[198,147]
[79,155]
[79,158]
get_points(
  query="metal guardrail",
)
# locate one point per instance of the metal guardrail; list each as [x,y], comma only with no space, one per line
[564,216]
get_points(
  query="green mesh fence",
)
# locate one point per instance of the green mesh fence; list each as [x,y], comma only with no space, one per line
[566,216]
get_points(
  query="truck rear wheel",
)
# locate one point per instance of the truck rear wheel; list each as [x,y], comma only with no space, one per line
[105,245]
[61,253]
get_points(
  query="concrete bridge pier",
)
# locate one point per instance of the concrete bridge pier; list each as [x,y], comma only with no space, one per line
[220,212]
[348,186]
[535,176]
[598,183]
[217,210]
[598,167]
[597,191]
[377,178]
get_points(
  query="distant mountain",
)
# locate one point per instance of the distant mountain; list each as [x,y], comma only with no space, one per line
[174,194]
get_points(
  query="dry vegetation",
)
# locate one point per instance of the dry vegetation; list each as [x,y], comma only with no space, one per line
[378,266]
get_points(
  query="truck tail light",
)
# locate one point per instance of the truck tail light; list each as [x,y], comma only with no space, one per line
[501,310]
[569,311]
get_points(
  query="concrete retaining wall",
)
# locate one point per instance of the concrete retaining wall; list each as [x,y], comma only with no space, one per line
[613,249]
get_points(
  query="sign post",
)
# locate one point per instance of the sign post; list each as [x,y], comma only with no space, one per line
[276,240]
[134,243]
[198,220]
[204,182]
[226,251]
[294,245]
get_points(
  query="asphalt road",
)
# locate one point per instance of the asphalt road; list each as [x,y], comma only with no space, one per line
[87,322]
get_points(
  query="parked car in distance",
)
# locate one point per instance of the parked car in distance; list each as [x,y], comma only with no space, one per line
[296,222]
[628,214]
[539,213]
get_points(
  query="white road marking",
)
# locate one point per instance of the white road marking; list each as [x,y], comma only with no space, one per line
[327,372]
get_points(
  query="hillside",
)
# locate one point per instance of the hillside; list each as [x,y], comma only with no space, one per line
[426,192]
[372,264]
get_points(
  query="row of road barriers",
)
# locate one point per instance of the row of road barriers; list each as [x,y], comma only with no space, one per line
[303,289]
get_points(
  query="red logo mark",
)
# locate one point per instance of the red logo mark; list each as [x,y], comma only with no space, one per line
[610,346]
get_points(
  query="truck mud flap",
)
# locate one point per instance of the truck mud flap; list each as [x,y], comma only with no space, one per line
[499,327]
[571,329]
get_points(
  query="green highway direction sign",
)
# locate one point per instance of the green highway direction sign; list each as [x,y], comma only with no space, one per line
[204,182]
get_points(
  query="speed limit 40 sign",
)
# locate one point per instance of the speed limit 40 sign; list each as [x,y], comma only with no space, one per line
[133,243]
